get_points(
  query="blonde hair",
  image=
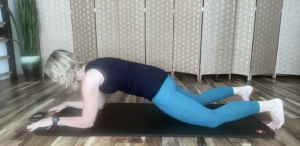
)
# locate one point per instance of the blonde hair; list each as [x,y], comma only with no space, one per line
[62,65]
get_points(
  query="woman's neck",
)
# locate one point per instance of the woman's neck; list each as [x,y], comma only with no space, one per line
[81,74]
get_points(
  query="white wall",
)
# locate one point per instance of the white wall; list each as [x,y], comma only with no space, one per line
[3,52]
[3,63]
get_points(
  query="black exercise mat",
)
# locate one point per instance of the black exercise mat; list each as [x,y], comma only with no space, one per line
[141,119]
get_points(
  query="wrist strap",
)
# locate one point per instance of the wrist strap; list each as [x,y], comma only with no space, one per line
[55,120]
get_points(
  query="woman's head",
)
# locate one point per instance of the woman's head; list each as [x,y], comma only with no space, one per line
[62,66]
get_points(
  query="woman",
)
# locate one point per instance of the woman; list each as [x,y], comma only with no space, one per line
[108,75]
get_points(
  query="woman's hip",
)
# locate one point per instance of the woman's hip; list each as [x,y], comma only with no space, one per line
[165,92]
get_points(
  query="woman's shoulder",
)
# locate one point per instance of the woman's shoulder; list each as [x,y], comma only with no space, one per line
[92,81]
[100,66]
[93,76]
[105,60]
[99,61]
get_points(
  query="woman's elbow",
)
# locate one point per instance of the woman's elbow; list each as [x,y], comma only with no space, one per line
[87,124]
[90,125]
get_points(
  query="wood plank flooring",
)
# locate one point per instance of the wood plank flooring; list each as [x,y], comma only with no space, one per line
[19,100]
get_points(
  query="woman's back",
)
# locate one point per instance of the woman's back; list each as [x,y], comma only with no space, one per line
[129,77]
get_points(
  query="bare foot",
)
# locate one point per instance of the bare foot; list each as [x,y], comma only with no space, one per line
[277,115]
[246,92]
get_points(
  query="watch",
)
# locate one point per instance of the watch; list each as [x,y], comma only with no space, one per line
[55,119]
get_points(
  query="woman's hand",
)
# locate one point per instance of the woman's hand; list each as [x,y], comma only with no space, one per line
[59,107]
[42,123]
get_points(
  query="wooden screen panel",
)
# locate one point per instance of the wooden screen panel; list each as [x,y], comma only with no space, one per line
[243,38]
[187,37]
[218,36]
[267,27]
[159,39]
[132,30]
[55,27]
[83,19]
[288,56]
[107,28]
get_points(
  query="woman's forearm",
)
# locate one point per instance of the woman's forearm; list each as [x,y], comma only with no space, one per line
[75,104]
[76,122]
[79,104]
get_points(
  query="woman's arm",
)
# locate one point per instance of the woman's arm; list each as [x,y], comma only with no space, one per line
[74,104]
[79,104]
[91,102]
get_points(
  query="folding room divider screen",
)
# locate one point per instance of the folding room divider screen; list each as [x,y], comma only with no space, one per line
[288,58]
[198,37]
[243,37]
[107,28]
[84,34]
[159,33]
[266,36]
[55,27]
[187,36]
[218,36]
[131,30]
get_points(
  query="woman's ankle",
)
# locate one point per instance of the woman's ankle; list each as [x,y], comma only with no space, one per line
[244,92]
[266,106]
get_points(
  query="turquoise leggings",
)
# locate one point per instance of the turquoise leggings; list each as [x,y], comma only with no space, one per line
[190,108]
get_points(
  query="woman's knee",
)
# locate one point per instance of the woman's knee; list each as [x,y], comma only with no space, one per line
[213,124]
[212,120]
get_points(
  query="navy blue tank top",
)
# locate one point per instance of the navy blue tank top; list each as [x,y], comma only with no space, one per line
[129,77]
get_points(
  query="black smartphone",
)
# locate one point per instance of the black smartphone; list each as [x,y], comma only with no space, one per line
[38,116]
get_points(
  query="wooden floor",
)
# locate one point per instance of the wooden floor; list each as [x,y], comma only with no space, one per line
[19,100]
